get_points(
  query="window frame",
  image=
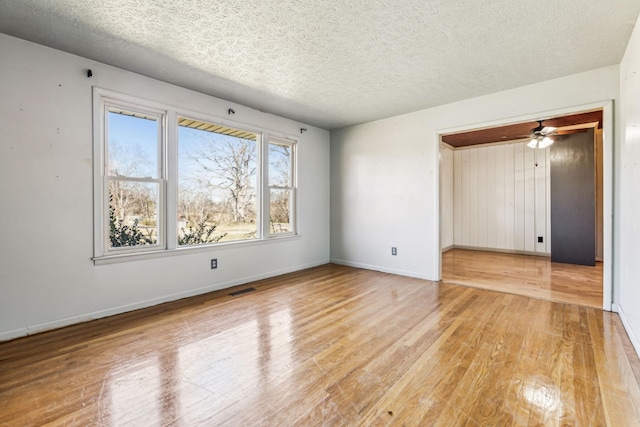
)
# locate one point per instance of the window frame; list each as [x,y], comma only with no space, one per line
[104,101]
[292,187]
[168,179]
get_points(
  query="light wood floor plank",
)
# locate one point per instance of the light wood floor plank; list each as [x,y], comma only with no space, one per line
[533,276]
[331,345]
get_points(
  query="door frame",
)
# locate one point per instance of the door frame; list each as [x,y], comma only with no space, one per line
[607,184]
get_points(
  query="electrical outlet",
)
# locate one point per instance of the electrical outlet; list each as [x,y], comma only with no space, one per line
[540,240]
[394,251]
[214,263]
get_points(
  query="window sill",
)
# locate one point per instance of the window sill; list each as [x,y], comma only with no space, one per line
[140,256]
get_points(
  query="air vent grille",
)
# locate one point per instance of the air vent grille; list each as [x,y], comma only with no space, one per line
[242,292]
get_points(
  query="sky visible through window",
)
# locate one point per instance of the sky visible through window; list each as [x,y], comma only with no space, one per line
[133,146]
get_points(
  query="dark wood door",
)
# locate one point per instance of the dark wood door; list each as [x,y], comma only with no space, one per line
[573,209]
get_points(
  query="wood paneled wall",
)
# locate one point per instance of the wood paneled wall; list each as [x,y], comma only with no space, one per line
[501,198]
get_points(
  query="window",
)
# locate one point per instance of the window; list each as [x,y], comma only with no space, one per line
[167,181]
[281,187]
[133,179]
[217,183]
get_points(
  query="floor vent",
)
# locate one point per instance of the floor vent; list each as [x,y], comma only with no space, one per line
[242,292]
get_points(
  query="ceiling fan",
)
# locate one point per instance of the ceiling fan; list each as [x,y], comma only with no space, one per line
[541,136]
[526,131]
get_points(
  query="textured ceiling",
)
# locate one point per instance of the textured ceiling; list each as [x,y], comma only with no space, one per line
[333,63]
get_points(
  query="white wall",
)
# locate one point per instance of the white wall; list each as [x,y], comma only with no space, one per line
[47,278]
[385,178]
[446,196]
[501,198]
[628,291]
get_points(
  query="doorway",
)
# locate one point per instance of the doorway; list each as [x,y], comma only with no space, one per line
[510,245]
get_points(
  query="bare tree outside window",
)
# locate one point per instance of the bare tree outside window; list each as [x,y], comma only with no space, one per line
[132,168]
[218,181]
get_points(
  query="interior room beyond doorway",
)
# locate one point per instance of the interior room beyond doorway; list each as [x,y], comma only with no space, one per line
[496,209]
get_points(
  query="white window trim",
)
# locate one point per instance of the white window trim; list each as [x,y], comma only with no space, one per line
[293,187]
[107,102]
[168,174]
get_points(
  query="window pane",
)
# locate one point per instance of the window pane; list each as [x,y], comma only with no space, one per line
[217,181]
[280,165]
[280,211]
[132,145]
[133,213]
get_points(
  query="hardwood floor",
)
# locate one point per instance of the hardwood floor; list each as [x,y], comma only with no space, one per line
[331,345]
[532,276]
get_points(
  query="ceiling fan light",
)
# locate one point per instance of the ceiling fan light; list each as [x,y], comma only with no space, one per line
[546,141]
[532,143]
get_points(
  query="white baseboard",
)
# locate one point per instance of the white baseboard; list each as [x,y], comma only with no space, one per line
[504,251]
[85,317]
[15,333]
[627,327]
[382,269]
